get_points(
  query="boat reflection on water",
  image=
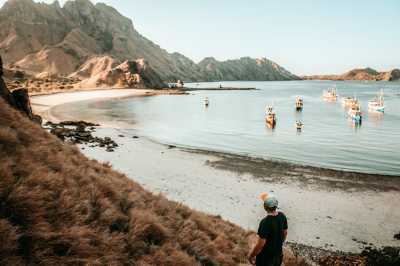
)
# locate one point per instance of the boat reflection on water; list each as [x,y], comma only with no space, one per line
[376,118]
[270,131]
[356,126]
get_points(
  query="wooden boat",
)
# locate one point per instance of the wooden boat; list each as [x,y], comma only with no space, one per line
[377,104]
[299,104]
[270,117]
[299,125]
[330,95]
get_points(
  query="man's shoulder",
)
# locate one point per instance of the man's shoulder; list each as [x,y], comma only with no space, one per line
[263,220]
[281,214]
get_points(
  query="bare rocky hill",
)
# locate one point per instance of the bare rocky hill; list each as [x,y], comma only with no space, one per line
[245,68]
[47,39]
[360,74]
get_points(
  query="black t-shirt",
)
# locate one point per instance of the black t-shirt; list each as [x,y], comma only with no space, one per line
[271,229]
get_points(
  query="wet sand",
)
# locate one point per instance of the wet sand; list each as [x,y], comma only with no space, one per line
[326,208]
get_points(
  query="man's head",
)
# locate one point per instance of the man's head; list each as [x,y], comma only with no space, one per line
[270,202]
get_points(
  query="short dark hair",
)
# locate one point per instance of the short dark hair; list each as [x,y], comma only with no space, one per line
[270,209]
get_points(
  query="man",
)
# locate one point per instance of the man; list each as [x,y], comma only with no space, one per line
[272,233]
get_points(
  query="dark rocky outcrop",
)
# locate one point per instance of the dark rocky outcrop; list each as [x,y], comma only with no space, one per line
[18,99]
[104,71]
[80,132]
[4,92]
[393,75]
[386,256]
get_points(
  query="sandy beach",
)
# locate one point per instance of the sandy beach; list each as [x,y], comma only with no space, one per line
[326,208]
[42,104]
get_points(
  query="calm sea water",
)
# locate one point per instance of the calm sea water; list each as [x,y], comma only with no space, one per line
[234,122]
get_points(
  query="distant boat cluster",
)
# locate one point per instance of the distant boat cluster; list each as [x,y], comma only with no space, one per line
[352,105]
[270,115]
[376,105]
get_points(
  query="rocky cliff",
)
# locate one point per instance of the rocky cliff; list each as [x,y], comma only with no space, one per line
[102,72]
[47,39]
[360,74]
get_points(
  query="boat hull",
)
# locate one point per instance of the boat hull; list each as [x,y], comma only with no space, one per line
[380,109]
[271,122]
[330,98]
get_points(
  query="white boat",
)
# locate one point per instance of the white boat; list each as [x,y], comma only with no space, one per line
[330,95]
[349,101]
[377,104]
[206,102]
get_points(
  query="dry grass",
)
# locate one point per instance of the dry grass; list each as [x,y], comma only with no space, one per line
[58,207]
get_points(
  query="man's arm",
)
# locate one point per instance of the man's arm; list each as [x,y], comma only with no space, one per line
[257,249]
[284,235]
[285,227]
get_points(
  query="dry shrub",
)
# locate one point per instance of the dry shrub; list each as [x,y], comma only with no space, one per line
[146,227]
[8,238]
[170,256]
[8,138]
[290,259]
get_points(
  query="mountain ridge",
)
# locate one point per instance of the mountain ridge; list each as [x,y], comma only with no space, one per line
[42,38]
[360,74]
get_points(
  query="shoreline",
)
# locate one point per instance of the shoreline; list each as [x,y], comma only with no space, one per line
[202,181]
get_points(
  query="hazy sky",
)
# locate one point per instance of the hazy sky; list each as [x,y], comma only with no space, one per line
[304,36]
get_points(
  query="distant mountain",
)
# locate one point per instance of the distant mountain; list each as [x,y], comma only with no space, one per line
[361,74]
[245,68]
[47,39]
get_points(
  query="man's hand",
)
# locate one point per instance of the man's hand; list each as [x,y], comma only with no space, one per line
[252,260]
[256,250]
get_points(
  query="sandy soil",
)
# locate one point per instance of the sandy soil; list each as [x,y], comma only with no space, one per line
[325,208]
